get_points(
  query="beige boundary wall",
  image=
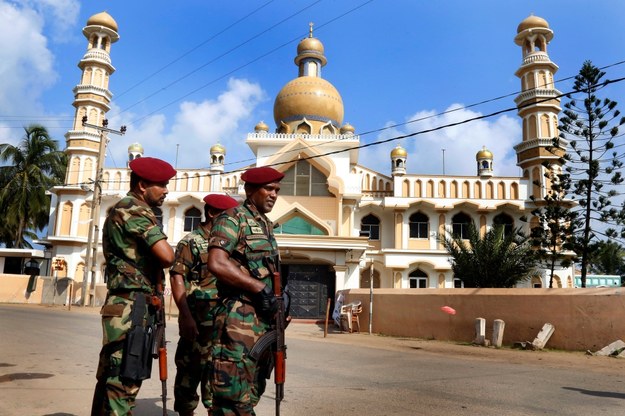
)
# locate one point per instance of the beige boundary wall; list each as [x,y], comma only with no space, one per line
[13,290]
[584,319]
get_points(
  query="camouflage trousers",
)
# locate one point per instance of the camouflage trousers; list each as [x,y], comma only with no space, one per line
[193,360]
[237,381]
[114,396]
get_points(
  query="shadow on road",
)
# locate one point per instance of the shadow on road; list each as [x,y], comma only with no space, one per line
[612,394]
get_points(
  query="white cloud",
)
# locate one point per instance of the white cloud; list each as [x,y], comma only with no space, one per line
[197,126]
[461,143]
[61,16]
[26,63]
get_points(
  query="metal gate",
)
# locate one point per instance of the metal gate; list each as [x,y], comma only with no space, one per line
[310,285]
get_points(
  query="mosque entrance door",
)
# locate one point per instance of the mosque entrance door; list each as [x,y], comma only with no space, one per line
[310,285]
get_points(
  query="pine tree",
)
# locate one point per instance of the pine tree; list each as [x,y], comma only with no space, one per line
[590,125]
[554,223]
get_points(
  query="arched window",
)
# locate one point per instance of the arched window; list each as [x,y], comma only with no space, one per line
[506,221]
[370,226]
[418,279]
[303,179]
[419,224]
[299,225]
[192,218]
[460,225]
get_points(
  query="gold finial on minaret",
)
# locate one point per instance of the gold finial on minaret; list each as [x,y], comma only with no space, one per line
[310,31]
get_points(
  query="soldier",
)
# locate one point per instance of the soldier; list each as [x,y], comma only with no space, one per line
[136,251]
[242,255]
[195,292]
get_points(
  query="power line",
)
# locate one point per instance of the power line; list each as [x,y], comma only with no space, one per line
[196,47]
[420,132]
[296,39]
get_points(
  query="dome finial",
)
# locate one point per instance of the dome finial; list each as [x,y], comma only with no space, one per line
[310,30]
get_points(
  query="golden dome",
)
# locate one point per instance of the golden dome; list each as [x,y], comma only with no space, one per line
[310,97]
[102,19]
[347,128]
[261,127]
[135,147]
[218,148]
[310,48]
[399,152]
[484,154]
[532,22]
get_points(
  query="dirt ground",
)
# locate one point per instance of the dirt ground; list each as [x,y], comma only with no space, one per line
[545,358]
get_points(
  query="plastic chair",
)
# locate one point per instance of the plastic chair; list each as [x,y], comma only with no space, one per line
[356,310]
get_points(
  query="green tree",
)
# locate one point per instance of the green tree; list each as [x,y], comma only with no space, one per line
[608,258]
[28,170]
[590,125]
[555,223]
[498,259]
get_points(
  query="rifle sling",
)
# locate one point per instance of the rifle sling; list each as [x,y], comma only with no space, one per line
[138,310]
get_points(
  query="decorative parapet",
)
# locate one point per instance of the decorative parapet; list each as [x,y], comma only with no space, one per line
[97,55]
[543,142]
[542,93]
[92,89]
[287,137]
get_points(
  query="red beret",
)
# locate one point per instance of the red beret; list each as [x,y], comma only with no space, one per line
[220,201]
[262,175]
[152,169]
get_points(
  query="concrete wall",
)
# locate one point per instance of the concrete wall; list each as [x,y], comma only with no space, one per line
[584,319]
[13,290]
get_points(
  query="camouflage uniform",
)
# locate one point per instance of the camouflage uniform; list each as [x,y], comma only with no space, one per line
[193,357]
[237,381]
[129,232]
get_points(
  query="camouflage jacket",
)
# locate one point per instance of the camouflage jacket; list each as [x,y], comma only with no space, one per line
[192,263]
[247,236]
[129,232]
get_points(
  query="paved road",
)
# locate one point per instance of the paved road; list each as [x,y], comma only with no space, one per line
[48,358]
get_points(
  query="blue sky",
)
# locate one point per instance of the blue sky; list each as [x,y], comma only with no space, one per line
[193,73]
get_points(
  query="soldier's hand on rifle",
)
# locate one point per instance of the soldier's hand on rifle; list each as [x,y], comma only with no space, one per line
[265,303]
[286,301]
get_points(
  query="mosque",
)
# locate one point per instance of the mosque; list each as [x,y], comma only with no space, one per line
[341,225]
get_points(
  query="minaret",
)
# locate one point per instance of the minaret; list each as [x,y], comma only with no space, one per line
[399,157]
[135,151]
[69,227]
[484,159]
[538,102]
[217,162]
[91,98]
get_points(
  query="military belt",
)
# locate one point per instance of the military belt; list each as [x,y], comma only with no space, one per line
[131,295]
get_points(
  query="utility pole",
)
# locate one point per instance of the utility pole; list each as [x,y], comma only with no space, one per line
[443,161]
[94,224]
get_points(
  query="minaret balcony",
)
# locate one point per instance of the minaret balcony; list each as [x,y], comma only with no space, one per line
[540,142]
[97,56]
[92,89]
[535,57]
[537,94]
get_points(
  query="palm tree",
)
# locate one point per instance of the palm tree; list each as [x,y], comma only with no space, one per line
[28,170]
[498,259]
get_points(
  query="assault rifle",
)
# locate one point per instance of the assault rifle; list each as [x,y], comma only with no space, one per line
[159,349]
[275,340]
